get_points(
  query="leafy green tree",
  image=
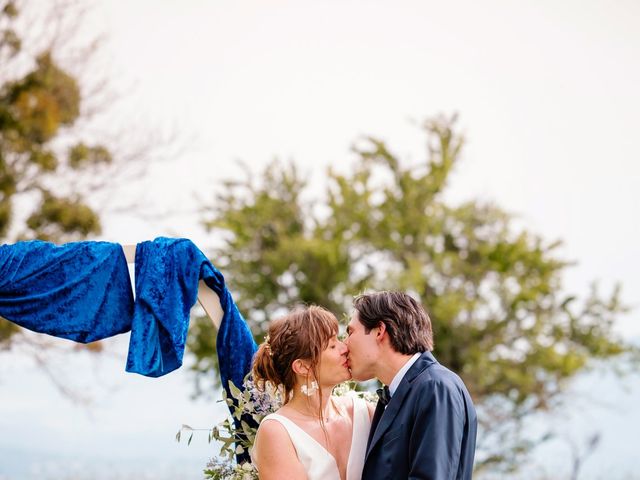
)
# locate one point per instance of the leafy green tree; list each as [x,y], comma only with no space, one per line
[49,164]
[36,109]
[501,316]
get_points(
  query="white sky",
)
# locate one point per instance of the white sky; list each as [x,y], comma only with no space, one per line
[548,96]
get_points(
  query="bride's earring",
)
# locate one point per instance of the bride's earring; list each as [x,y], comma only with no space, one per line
[309,391]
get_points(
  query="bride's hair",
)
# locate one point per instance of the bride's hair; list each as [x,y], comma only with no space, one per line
[301,334]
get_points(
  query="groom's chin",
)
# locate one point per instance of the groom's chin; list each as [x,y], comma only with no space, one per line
[358,377]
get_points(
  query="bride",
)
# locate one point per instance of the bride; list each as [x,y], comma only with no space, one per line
[314,435]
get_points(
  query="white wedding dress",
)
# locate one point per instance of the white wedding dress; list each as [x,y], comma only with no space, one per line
[318,463]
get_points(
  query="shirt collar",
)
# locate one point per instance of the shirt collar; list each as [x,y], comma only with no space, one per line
[401,373]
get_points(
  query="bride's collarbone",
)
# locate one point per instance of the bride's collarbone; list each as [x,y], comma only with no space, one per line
[335,425]
[336,432]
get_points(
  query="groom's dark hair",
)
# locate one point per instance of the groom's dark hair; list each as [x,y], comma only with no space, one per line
[406,321]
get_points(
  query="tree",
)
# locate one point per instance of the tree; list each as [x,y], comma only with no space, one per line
[54,161]
[38,110]
[501,317]
[35,108]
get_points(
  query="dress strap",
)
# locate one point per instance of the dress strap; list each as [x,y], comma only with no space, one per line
[360,412]
[361,427]
[292,429]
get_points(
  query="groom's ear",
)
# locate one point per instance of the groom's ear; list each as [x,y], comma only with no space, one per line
[300,367]
[381,329]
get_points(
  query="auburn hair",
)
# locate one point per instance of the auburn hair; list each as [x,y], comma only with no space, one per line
[303,334]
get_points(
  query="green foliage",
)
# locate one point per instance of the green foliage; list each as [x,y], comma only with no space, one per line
[40,152]
[81,155]
[7,330]
[201,342]
[234,435]
[273,258]
[494,291]
[10,43]
[58,217]
[39,104]
[37,110]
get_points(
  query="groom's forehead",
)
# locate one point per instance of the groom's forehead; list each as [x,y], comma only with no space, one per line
[353,321]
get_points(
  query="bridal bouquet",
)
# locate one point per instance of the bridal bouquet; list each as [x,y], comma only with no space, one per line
[251,402]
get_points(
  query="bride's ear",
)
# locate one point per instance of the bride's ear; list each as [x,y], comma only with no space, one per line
[300,367]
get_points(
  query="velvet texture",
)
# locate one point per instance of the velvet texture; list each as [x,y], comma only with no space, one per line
[167,274]
[79,291]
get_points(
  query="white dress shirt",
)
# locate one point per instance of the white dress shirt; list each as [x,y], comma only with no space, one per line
[393,386]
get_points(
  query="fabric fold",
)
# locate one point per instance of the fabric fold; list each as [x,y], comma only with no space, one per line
[79,291]
[168,271]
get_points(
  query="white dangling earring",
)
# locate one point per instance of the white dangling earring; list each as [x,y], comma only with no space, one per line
[309,391]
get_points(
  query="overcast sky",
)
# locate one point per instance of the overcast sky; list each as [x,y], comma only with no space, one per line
[547,94]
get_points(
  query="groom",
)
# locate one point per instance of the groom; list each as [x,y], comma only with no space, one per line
[424,425]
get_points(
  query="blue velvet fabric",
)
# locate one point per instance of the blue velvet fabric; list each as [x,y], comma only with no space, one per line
[167,274]
[235,344]
[79,291]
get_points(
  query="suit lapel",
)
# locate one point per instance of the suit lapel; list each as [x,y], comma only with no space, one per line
[390,413]
[375,420]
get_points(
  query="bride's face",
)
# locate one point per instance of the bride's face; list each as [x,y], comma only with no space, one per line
[333,367]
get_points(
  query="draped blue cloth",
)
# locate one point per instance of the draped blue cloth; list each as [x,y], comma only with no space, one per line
[81,291]
[167,274]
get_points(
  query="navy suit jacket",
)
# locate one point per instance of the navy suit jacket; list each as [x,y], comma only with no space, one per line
[427,431]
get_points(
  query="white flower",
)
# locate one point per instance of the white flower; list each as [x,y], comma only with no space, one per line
[311,390]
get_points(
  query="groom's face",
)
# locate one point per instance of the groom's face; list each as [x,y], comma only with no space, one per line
[363,349]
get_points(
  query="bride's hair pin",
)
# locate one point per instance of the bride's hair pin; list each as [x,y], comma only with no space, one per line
[309,391]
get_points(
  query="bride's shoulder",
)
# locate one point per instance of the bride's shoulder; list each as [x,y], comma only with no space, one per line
[273,432]
[277,416]
[273,450]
